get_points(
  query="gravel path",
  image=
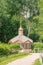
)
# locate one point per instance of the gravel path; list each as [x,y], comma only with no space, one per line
[28,60]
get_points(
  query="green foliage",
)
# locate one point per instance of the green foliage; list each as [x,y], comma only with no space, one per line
[42,59]
[37,45]
[9,52]
[10,11]
[6,59]
[10,16]
[34,37]
[40,27]
[36,62]
[6,49]
[16,46]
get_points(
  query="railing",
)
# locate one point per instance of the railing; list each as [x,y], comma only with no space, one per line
[41,58]
[39,50]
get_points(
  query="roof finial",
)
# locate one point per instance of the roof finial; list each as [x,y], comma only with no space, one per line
[20,21]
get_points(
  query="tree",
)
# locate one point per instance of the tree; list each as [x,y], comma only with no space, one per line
[10,11]
[31,6]
[40,27]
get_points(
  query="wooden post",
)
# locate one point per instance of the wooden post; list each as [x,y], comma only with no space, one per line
[40,59]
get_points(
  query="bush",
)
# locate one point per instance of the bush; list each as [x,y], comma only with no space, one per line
[15,47]
[37,45]
[41,39]
[37,62]
[6,49]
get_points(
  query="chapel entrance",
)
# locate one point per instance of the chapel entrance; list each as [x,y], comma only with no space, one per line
[27,46]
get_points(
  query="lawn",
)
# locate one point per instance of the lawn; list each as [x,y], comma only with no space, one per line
[6,59]
[37,62]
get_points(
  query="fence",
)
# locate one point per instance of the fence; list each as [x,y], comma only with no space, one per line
[39,50]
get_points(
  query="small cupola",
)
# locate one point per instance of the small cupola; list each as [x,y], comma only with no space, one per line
[20,31]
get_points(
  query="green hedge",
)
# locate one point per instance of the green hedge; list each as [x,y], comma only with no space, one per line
[6,49]
[16,46]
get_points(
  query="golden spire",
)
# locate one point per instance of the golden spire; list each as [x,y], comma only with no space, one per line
[20,30]
[20,21]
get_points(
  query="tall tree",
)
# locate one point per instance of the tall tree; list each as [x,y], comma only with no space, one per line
[10,11]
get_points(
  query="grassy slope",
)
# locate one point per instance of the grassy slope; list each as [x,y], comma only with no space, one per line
[36,62]
[4,60]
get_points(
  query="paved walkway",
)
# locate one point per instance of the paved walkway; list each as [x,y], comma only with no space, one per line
[28,60]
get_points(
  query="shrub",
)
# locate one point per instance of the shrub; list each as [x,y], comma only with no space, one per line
[15,47]
[37,62]
[6,49]
[41,39]
[37,45]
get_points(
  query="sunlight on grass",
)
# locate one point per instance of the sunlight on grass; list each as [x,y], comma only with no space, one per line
[7,59]
[36,62]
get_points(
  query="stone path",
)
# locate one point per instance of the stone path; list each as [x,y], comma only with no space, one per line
[28,60]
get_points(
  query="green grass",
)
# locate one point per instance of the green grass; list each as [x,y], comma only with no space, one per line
[6,54]
[42,60]
[37,62]
[6,59]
